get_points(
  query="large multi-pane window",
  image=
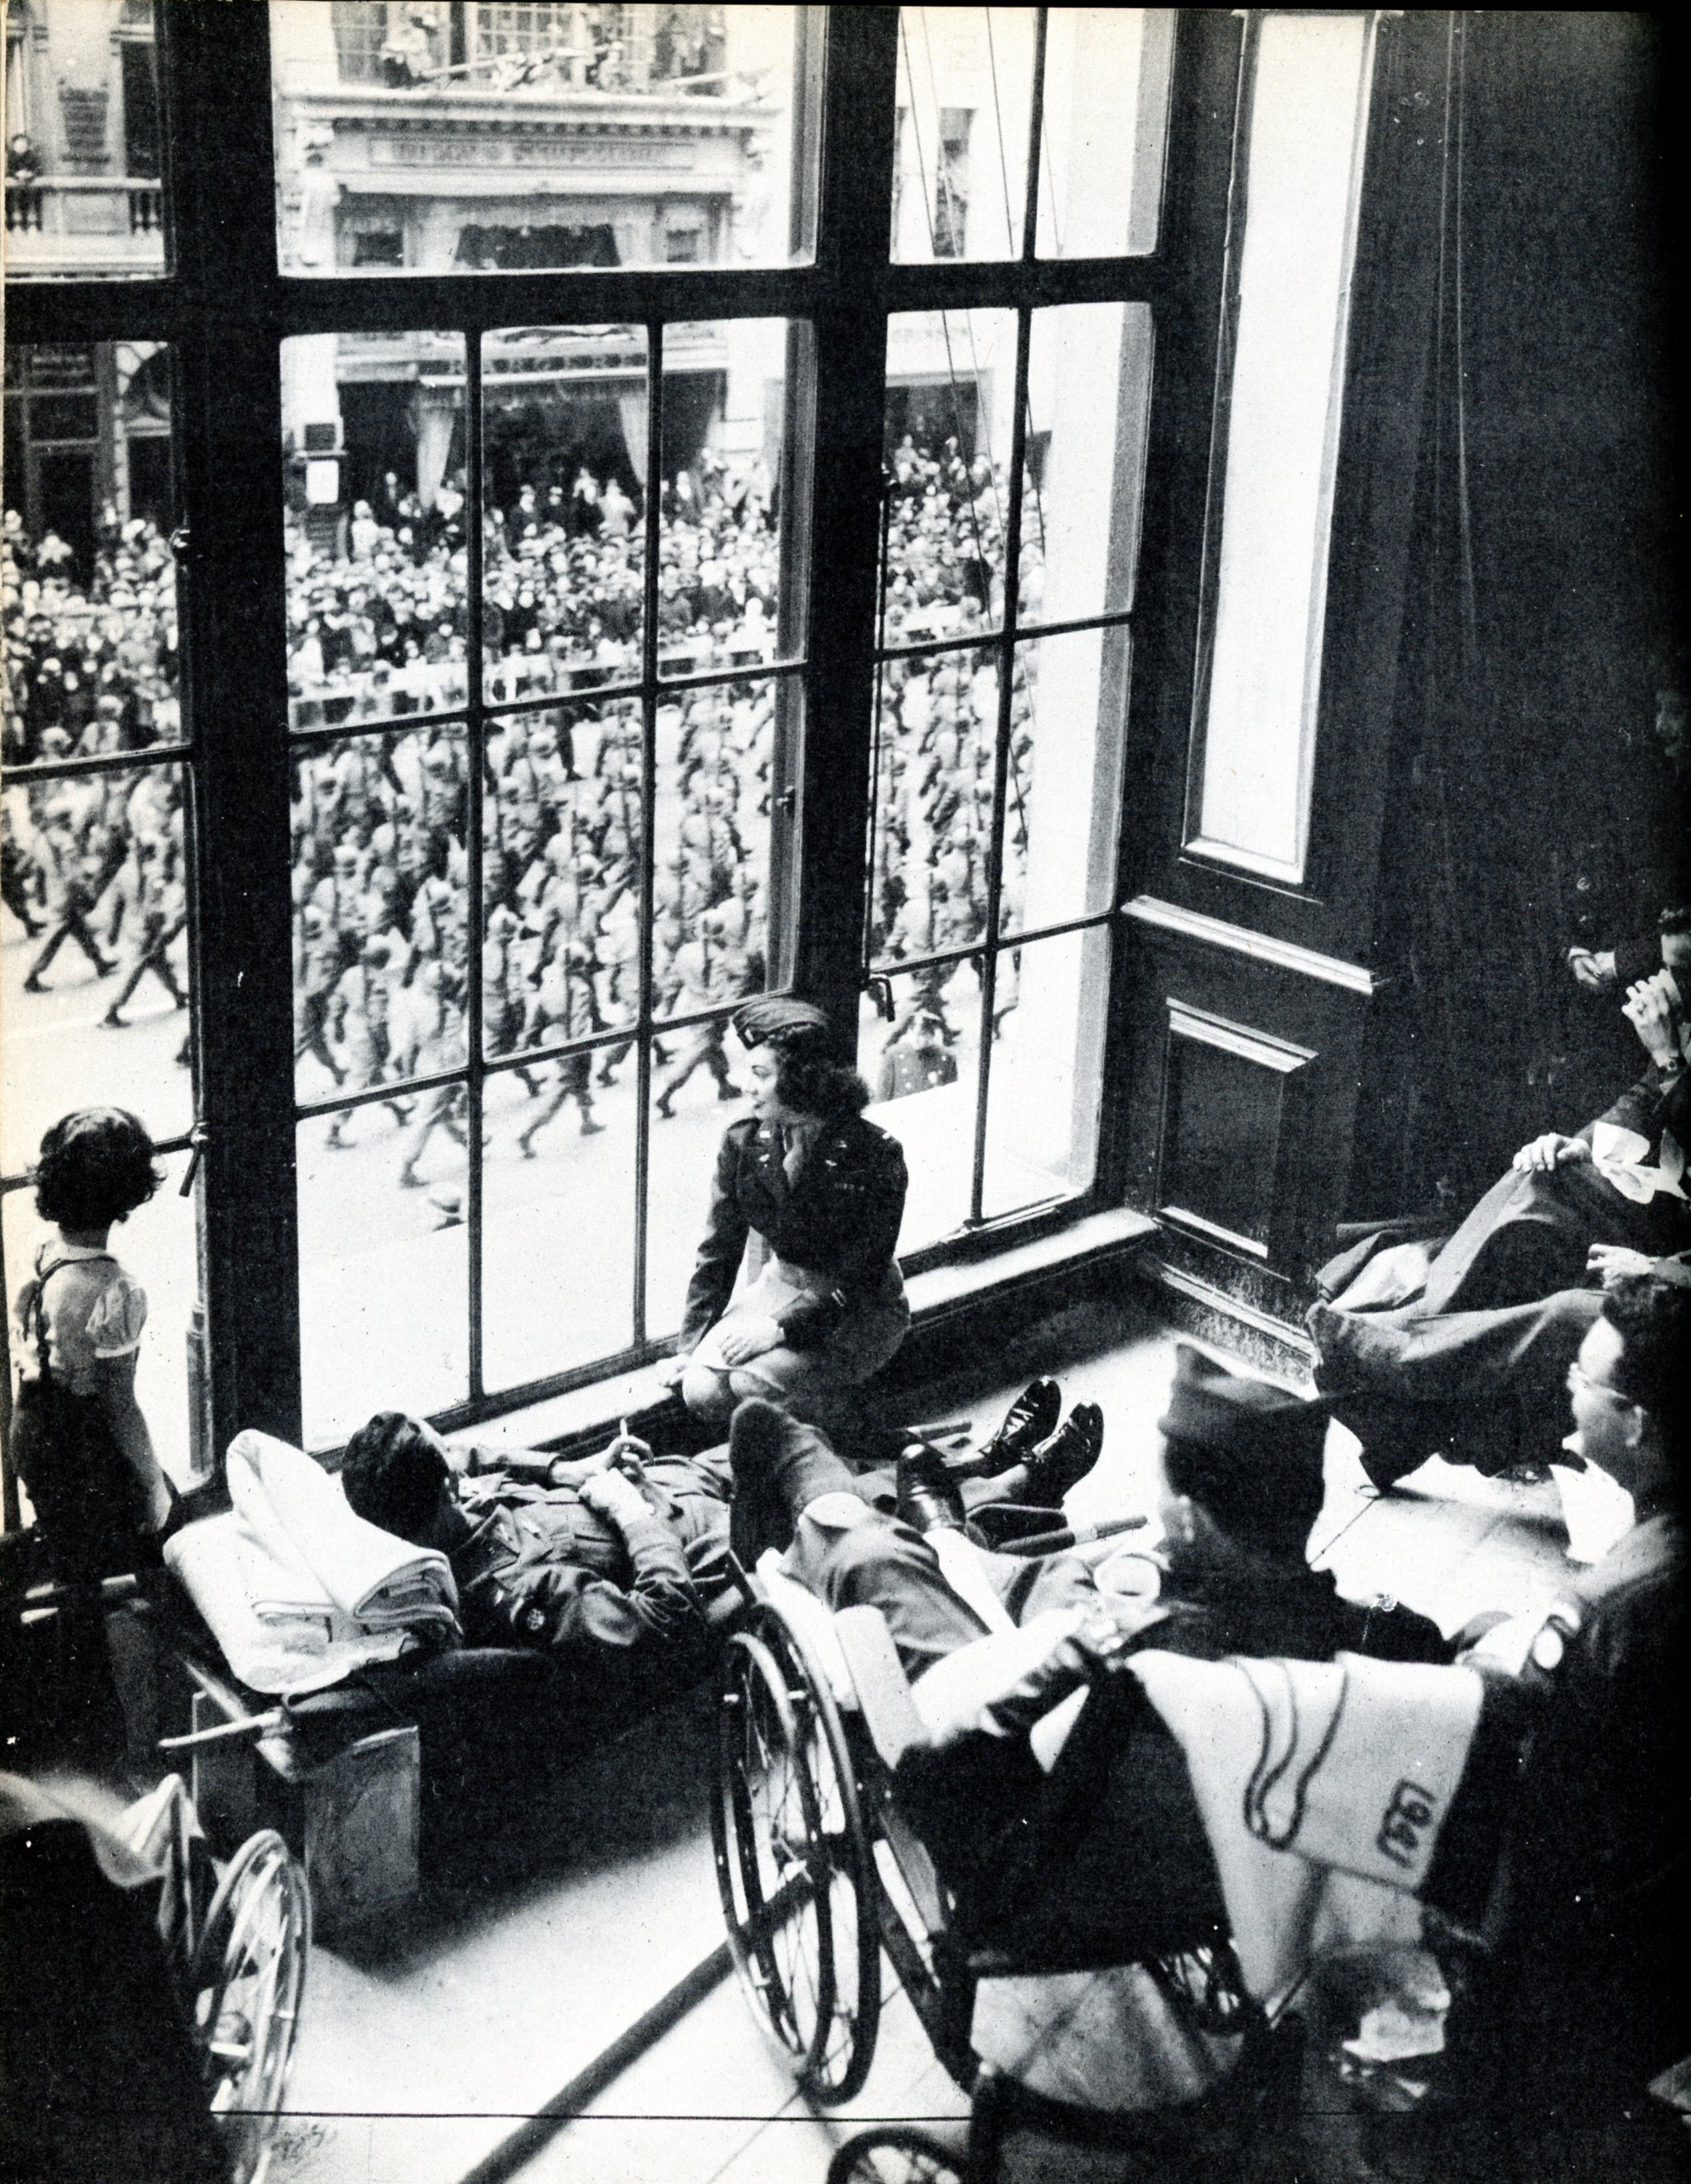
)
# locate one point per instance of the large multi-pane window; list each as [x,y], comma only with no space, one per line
[653,523]
[1013,469]
[98,843]
[527,892]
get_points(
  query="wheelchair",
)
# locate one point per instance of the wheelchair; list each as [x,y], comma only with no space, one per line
[237,1941]
[229,1942]
[818,1872]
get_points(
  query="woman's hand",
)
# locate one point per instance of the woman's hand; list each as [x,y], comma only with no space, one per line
[1649,1009]
[1551,1150]
[1594,972]
[748,1338]
[673,1370]
[1613,1263]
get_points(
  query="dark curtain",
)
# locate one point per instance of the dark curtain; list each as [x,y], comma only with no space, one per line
[1531,807]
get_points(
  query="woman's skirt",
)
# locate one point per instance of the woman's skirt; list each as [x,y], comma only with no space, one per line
[863,1340]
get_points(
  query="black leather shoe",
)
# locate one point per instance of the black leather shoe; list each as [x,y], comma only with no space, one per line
[1030,1419]
[1066,1458]
[928,1497]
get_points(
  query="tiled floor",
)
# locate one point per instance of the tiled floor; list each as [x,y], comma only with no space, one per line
[459,2027]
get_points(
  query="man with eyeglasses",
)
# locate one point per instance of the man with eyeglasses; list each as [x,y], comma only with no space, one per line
[1584,1999]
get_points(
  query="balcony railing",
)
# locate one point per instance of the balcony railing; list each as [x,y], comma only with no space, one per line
[85,224]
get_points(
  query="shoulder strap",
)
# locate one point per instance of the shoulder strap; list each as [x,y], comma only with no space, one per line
[31,1308]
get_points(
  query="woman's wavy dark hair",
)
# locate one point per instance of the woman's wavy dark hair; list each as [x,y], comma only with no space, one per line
[809,1081]
[96,1167]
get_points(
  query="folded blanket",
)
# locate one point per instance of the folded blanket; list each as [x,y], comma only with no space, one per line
[1350,1765]
[305,1653]
[296,1515]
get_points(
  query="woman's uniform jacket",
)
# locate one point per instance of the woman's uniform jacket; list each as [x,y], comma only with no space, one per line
[839,1219]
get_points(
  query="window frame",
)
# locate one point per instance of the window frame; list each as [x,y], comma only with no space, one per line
[225,308]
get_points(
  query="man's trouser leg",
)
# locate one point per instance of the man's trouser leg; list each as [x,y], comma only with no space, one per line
[882,1563]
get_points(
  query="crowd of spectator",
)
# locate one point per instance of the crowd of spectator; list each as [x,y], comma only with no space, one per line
[378,628]
[937,722]
[96,859]
[378,614]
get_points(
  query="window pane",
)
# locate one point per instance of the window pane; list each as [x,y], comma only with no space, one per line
[965,93]
[373,520]
[1105,129]
[560,874]
[430,137]
[1068,720]
[564,417]
[383,1318]
[728,596]
[84,196]
[921,1072]
[721,906]
[1047,1062]
[560,1166]
[90,579]
[95,997]
[1089,388]
[950,402]
[936,726]
[379,945]
[1309,126]
[158,1245]
[699,1077]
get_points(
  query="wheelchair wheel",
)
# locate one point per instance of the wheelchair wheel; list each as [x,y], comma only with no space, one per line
[244,1983]
[791,1854]
[852,1883]
[895,2153]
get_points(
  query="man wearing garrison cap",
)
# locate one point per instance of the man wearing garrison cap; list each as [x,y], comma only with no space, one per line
[1243,1485]
[1103,1859]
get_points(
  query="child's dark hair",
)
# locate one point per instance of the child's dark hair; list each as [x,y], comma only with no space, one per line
[96,1167]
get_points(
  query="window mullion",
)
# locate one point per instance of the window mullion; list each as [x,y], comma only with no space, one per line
[649,518]
[474,736]
[229,427]
[1007,682]
[851,368]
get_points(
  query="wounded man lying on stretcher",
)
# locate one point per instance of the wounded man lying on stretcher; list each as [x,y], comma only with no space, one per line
[610,1550]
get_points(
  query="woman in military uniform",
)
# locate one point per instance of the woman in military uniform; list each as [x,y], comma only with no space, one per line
[809,1197]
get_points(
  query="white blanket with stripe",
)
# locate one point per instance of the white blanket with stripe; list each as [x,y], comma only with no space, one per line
[1323,1787]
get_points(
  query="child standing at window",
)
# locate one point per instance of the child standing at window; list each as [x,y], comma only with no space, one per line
[79,1440]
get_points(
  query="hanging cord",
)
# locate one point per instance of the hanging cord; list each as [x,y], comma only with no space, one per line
[983,421]
[877,753]
[986,423]
[998,125]
[1465,514]
[1431,982]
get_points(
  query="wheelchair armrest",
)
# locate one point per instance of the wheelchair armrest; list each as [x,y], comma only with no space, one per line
[882,1689]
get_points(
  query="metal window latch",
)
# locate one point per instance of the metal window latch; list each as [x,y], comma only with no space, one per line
[179,541]
[196,1142]
[880,991]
